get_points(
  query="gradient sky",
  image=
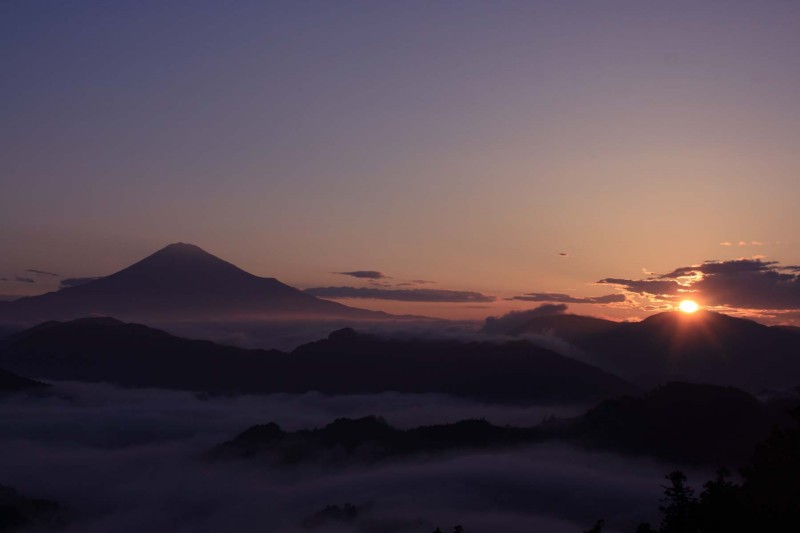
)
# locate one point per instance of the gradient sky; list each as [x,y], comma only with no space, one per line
[467,143]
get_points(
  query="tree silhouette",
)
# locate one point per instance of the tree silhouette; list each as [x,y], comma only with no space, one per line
[678,506]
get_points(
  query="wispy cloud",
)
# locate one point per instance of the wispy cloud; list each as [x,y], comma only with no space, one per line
[364,274]
[42,272]
[402,295]
[74,282]
[566,298]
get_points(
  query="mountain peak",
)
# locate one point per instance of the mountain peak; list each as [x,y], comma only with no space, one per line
[181,281]
[181,249]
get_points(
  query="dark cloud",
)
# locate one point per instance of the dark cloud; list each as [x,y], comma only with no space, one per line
[510,321]
[42,272]
[401,295]
[24,279]
[566,298]
[739,283]
[645,286]
[722,267]
[74,282]
[364,274]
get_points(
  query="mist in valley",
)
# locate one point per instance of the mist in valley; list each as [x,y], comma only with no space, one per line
[132,460]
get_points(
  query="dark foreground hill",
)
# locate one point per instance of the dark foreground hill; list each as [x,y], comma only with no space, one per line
[180,282]
[680,422]
[704,347]
[10,382]
[21,513]
[104,349]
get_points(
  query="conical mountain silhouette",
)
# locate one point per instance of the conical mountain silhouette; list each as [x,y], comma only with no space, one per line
[179,282]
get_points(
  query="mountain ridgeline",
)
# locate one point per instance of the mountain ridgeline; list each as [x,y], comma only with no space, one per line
[180,282]
[700,424]
[704,347]
[347,362]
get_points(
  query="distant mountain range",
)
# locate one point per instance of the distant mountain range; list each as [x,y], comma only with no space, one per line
[677,422]
[704,347]
[180,282]
[347,362]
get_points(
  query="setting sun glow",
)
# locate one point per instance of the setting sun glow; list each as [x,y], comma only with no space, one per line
[688,306]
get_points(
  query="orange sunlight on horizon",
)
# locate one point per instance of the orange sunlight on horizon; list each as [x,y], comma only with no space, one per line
[689,306]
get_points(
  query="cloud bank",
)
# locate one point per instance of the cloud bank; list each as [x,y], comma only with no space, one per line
[128,461]
[751,284]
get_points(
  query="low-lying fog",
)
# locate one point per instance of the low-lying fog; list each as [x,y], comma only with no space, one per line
[127,460]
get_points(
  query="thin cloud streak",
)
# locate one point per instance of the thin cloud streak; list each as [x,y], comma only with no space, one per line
[401,295]
[566,298]
[364,274]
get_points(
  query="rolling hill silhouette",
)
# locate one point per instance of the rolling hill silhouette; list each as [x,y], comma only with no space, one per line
[347,362]
[704,347]
[678,421]
[704,424]
[179,282]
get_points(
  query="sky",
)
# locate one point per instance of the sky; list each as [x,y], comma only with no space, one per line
[511,149]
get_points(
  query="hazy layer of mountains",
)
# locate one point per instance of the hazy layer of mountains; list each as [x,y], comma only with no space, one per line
[678,421]
[704,347]
[347,362]
[179,282]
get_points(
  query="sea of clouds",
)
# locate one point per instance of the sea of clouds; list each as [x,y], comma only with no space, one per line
[129,460]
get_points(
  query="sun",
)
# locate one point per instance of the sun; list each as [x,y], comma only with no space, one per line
[688,306]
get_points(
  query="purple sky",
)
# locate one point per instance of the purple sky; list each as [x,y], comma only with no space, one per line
[466,143]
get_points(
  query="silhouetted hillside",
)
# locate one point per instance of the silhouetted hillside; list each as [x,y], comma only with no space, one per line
[510,371]
[18,512]
[704,347]
[104,349]
[178,282]
[364,440]
[13,383]
[678,421]
[8,329]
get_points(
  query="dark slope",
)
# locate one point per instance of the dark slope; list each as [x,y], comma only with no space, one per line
[104,349]
[704,347]
[179,282]
[13,383]
[509,371]
[21,513]
[702,424]
[367,439]
[678,421]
